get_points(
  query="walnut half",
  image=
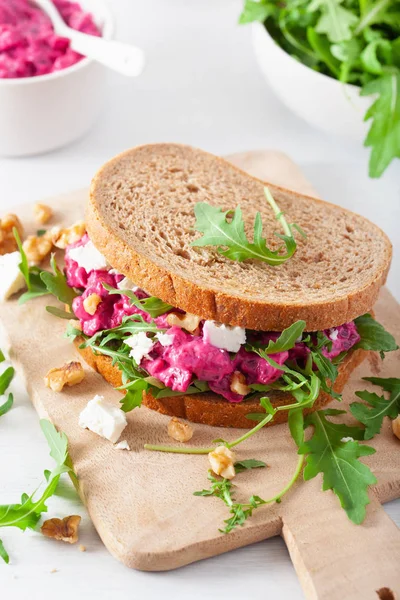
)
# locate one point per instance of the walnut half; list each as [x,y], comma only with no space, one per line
[181,432]
[69,374]
[238,384]
[222,462]
[64,237]
[37,248]
[42,213]
[91,303]
[186,321]
[65,530]
[8,242]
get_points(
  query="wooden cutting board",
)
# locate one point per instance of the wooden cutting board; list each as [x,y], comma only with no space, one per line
[142,503]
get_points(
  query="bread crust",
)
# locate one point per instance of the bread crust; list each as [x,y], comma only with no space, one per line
[208,408]
[227,308]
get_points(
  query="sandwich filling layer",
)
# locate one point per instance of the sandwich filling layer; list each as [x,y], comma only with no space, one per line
[182,348]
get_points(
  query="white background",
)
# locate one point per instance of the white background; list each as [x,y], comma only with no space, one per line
[201,86]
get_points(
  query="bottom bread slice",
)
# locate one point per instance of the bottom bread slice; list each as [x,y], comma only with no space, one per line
[211,409]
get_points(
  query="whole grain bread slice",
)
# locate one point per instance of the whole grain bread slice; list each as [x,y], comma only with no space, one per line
[141,217]
[211,409]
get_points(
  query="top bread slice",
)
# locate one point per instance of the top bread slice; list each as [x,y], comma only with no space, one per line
[141,217]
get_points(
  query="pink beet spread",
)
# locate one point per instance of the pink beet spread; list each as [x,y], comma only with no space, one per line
[28,44]
[189,357]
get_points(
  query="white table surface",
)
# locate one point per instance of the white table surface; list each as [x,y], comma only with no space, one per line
[201,86]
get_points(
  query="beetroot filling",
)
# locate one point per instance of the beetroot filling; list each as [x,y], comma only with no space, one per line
[28,44]
[189,357]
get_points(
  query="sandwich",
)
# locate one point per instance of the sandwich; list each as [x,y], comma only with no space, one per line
[181,317]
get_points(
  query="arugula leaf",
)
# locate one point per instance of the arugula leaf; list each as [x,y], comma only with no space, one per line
[61,314]
[2,357]
[327,371]
[3,553]
[250,463]
[4,408]
[335,20]
[287,339]
[389,384]
[230,237]
[376,55]
[322,48]
[196,388]
[338,461]
[5,379]
[222,488]
[58,444]
[384,134]
[296,425]
[31,275]
[256,11]
[152,305]
[373,12]
[304,385]
[72,332]
[41,232]
[381,407]
[374,336]
[130,324]
[372,417]
[27,513]
[56,284]
[134,395]
[24,265]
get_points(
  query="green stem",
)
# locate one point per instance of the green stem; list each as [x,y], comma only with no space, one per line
[369,17]
[244,437]
[278,213]
[287,487]
[179,450]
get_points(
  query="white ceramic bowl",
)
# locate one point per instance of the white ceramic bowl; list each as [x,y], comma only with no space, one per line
[38,114]
[321,100]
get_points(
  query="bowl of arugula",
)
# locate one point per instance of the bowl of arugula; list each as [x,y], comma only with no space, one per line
[335,64]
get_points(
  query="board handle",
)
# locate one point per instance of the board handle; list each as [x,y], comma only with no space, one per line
[337,560]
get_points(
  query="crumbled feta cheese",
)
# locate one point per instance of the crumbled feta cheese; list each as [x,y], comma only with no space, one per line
[88,257]
[224,336]
[347,439]
[165,339]
[103,418]
[127,284]
[122,445]
[11,278]
[141,346]
[333,334]
[298,340]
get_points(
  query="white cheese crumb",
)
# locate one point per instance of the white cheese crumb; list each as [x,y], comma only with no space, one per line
[103,418]
[141,346]
[333,334]
[224,336]
[347,439]
[165,339]
[88,257]
[122,445]
[11,278]
[127,284]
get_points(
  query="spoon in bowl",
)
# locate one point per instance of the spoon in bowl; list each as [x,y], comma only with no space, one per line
[123,58]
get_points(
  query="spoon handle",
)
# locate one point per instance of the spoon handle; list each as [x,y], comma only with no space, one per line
[124,58]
